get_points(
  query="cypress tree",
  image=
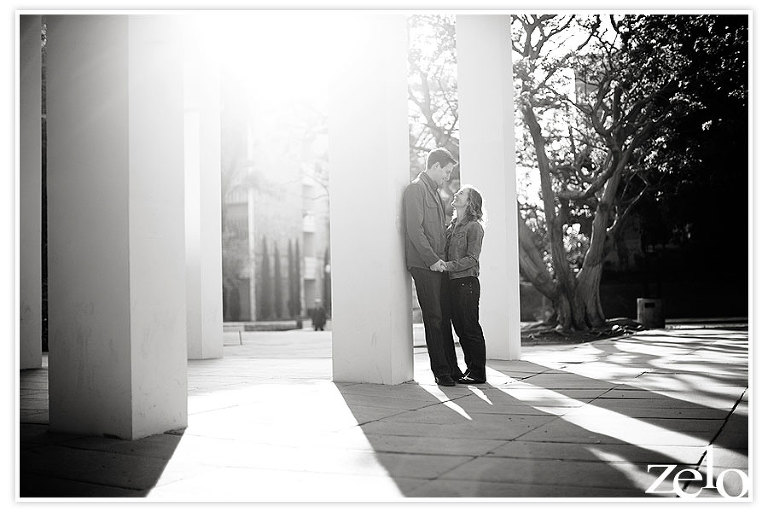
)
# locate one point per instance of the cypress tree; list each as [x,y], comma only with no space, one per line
[265,306]
[278,289]
[297,275]
[327,281]
[291,279]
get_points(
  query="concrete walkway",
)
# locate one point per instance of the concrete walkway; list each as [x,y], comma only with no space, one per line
[267,424]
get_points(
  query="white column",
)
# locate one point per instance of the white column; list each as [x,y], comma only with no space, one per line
[30,190]
[486,113]
[202,149]
[116,226]
[368,150]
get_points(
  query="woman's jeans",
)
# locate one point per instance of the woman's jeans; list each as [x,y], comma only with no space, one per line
[465,309]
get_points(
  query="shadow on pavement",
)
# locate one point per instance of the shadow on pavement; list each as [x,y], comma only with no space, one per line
[546,431]
[57,465]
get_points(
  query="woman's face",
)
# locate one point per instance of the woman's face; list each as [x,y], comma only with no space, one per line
[460,198]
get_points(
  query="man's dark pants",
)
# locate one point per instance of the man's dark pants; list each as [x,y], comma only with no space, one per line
[433,294]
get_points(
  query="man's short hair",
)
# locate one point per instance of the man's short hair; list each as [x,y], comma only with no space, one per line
[441,156]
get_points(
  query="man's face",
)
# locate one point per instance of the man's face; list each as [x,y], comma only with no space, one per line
[440,174]
[447,170]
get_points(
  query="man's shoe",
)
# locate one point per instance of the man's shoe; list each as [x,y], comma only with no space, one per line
[444,380]
[470,380]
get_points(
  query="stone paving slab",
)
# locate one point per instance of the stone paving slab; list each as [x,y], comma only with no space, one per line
[552,472]
[511,429]
[659,401]
[34,416]
[34,393]
[404,391]
[543,398]
[161,446]
[605,371]
[701,399]
[92,466]
[625,452]
[522,366]
[685,382]
[627,393]
[564,432]
[691,413]
[732,435]
[32,435]
[443,414]
[242,484]
[35,403]
[420,465]
[473,406]
[460,489]
[388,402]
[43,486]
[526,393]
[386,443]
[566,381]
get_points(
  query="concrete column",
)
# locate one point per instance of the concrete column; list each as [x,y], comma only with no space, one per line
[202,150]
[487,117]
[368,151]
[117,286]
[30,190]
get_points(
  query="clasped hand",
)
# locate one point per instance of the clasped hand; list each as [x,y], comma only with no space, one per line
[439,266]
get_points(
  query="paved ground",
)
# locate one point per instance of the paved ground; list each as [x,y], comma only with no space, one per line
[267,424]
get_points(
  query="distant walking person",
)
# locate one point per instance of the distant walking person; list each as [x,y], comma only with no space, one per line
[319,316]
[465,240]
[425,246]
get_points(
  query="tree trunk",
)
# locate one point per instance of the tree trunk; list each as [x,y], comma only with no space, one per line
[588,293]
[588,278]
[564,278]
[532,265]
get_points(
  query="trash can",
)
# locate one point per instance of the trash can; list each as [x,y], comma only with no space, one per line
[650,313]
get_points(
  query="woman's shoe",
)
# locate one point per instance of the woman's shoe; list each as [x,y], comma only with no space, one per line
[470,380]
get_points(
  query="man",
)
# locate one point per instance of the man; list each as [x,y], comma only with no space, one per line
[319,316]
[424,256]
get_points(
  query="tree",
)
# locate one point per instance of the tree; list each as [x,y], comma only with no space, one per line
[296,279]
[278,286]
[327,281]
[290,303]
[432,88]
[266,302]
[702,159]
[632,87]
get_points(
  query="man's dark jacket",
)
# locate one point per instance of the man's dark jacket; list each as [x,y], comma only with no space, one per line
[424,223]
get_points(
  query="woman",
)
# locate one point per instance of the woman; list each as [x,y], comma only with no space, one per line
[465,239]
